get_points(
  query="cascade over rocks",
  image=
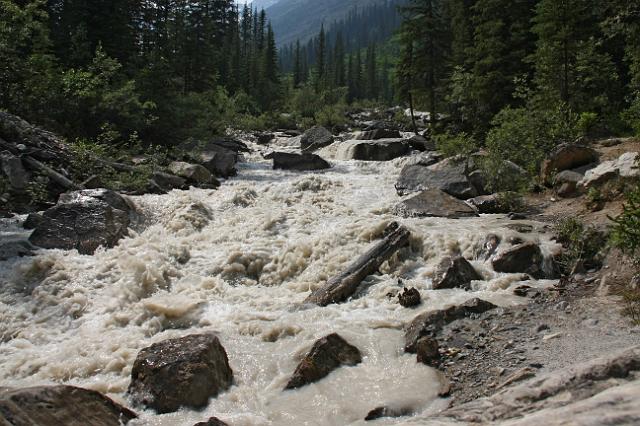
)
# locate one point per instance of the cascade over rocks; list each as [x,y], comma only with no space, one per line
[373,150]
[523,258]
[566,157]
[180,372]
[429,323]
[325,355]
[83,220]
[434,203]
[60,406]
[299,162]
[454,272]
[315,138]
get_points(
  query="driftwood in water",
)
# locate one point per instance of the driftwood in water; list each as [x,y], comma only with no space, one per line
[341,287]
[50,173]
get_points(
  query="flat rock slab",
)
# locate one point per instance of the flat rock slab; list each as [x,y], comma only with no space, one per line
[60,406]
[373,150]
[429,323]
[298,162]
[454,272]
[180,372]
[325,355]
[434,203]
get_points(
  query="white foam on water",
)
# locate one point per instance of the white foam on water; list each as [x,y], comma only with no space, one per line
[238,261]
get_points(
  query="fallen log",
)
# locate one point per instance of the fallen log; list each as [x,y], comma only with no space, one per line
[342,286]
[50,173]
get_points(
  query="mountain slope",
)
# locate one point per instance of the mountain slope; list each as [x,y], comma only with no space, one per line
[301,19]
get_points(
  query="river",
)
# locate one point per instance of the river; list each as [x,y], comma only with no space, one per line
[238,261]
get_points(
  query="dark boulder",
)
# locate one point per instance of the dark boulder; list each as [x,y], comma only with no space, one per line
[428,351]
[375,134]
[315,138]
[299,162]
[14,170]
[409,297]
[193,173]
[449,176]
[11,249]
[454,272]
[161,183]
[523,258]
[325,355]
[219,161]
[60,406]
[213,421]
[264,138]
[420,143]
[389,412]
[434,203]
[83,220]
[182,372]
[566,157]
[370,150]
[430,323]
[488,204]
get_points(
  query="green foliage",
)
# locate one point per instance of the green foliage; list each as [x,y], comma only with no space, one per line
[632,116]
[455,144]
[626,230]
[582,244]
[631,301]
[332,116]
[587,122]
[37,190]
[510,201]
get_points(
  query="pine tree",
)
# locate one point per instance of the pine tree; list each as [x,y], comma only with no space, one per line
[297,66]
[321,60]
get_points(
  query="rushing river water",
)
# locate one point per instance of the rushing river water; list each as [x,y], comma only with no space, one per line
[238,261]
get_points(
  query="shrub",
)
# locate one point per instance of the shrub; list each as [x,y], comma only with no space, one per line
[632,116]
[626,230]
[451,145]
[582,244]
[332,116]
[587,122]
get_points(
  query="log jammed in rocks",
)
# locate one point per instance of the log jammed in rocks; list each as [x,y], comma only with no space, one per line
[341,287]
[60,406]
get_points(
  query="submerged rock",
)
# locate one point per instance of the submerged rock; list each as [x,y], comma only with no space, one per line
[60,405]
[299,162]
[315,138]
[373,150]
[429,323]
[566,157]
[409,298]
[83,220]
[454,272]
[180,372]
[434,203]
[390,412]
[525,258]
[325,355]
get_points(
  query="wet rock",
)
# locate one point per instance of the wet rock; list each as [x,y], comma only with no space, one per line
[409,297]
[14,170]
[516,216]
[625,167]
[434,203]
[264,138]
[489,246]
[389,412]
[11,249]
[218,161]
[193,173]
[230,144]
[326,355]
[428,351]
[83,220]
[213,421]
[315,138]
[430,323]
[180,372]
[454,272]
[161,183]
[376,134]
[526,258]
[299,162]
[370,150]
[420,143]
[448,175]
[487,204]
[60,405]
[566,157]
[425,159]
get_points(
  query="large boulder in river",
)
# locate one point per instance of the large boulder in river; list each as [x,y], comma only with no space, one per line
[315,138]
[522,258]
[449,175]
[434,203]
[624,167]
[193,173]
[161,183]
[375,134]
[14,170]
[299,162]
[454,272]
[326,355]
[430,323]
[373,150]
[83,220]
[219,161]
[566,157]
[182,372]
[60,406]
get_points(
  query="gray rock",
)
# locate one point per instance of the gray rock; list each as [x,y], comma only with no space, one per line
[454,272]
[625,167]
[326,355]
[430,323]
[83,220]
[524,258]
[315,138]
[388,412]
[425,159]
[299,162]
[182,372]
[373,150]
[566,157]
[434,203]
[420,143]
[448,175]
[14,170]
[566,183]
[218,161]
[11,249]
[375,134]
[487,204]
[60,405]
[193,173]
[428,350]
[161,183]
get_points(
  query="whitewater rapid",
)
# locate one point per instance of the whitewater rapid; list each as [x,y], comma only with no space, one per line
[238,261]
